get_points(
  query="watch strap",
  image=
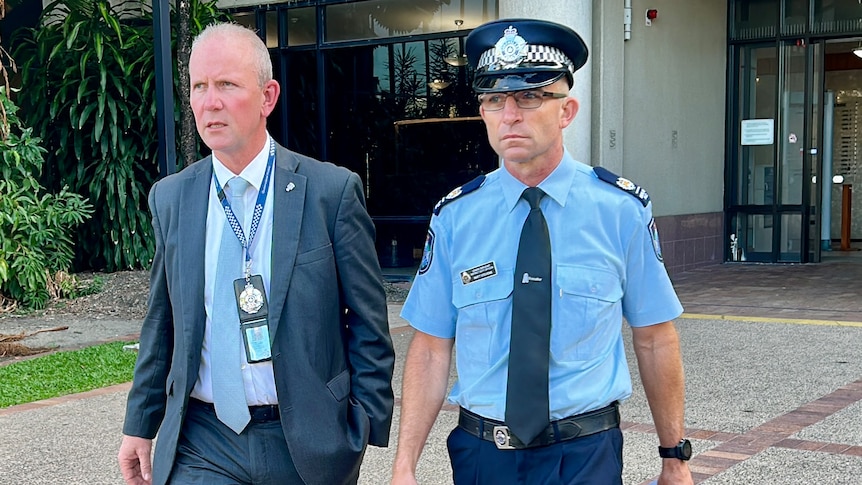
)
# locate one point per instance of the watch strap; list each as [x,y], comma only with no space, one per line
[682,451]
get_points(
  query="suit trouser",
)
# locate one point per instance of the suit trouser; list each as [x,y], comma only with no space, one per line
[210,453]
[596,459]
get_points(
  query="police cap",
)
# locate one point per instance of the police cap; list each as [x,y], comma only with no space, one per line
[518,54]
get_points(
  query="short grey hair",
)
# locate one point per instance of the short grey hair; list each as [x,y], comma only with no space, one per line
[259,53]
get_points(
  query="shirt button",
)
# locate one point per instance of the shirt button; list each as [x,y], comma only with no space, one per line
[243,366]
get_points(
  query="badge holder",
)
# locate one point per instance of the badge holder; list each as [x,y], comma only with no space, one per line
[253,318]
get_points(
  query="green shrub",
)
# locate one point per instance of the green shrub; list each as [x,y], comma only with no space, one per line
[96,111]
[35,226]
[92,64]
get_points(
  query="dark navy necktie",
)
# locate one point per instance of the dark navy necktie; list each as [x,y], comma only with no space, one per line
[527,406]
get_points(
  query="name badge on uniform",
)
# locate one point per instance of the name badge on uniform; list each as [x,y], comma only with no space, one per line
[253,318]
[480,272]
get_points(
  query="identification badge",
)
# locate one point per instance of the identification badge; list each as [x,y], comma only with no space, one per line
[253,318]
[480,272]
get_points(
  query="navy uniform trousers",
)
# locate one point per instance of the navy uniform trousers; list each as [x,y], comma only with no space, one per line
[596,459]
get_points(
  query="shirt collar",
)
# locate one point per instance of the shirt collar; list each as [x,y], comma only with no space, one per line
[252,173]
[556,185]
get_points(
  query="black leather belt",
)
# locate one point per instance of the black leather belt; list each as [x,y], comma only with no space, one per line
[561,430]
[259,414]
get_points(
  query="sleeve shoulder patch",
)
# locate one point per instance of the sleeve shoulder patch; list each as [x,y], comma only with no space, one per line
[623,184]
[459,192]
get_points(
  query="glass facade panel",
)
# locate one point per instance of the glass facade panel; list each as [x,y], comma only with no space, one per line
[246,19]
[791,138]
[271,29]
[754,19]
[301,26]
[795,17]
[751,237]
[375,19]
[837,16]
[301,90]
[791,238]
[755,183]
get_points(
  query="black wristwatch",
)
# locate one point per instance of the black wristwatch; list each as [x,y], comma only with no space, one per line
[681,451]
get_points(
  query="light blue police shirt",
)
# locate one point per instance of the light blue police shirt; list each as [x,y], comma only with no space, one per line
[606,266]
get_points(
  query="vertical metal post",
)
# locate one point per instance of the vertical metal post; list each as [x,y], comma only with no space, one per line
[164,88]
[826,173]
[846,204]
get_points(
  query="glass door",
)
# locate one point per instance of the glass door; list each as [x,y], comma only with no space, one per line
[750,224]
[791,174]
[773,204]
[817,144]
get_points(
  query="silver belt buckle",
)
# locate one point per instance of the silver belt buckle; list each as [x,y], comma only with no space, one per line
[502,438]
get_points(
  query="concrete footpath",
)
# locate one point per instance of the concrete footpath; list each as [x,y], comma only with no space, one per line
[774,391]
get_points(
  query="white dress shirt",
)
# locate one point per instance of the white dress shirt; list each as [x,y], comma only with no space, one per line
[258,378]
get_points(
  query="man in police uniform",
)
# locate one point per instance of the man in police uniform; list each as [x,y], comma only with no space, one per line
[603,262]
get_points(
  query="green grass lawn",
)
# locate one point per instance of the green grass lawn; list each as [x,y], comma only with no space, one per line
[64,373]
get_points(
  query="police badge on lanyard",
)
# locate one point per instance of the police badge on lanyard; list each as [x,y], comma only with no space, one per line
[253,317]
[250,293]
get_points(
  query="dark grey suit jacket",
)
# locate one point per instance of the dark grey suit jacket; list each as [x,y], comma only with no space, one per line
[331,351]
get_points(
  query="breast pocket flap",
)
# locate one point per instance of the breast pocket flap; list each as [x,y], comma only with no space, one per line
[497,287]
[589,282]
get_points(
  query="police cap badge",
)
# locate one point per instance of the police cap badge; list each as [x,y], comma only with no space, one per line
[519,54]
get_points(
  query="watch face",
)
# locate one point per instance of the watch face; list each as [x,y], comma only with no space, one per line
[682,451]
[685,448]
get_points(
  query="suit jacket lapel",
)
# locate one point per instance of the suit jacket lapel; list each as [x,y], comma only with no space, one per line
[289,201]
[192,229]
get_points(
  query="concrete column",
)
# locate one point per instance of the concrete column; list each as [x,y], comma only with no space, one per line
[579,17]
[608,72]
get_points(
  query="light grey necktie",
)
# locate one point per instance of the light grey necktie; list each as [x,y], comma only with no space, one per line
[226,352]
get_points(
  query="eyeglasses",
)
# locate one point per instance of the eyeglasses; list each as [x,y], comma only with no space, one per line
[530,99]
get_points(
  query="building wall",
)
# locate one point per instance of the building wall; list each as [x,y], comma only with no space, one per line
[674,113]
[656,107]
[652,107]
[673,133]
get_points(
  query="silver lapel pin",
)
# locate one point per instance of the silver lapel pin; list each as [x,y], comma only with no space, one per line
[290,186]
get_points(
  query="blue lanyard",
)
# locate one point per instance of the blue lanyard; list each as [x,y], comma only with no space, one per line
[258,208]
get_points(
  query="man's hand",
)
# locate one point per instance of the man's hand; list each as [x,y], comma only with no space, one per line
[405,478]
[135,462]
[675,472]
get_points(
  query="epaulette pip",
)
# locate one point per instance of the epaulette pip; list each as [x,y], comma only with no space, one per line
[462,190]
[623,184]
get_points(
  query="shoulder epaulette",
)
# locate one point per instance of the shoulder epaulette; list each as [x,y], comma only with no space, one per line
[623,184]
[460,191]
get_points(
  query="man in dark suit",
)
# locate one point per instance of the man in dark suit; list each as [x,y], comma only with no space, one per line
[282,303]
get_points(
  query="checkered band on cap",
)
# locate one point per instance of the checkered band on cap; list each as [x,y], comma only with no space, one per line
[490,61]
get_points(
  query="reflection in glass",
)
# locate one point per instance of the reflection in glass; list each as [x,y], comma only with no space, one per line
[791,238]
[388,18]
[795,17]
[792,125]
[271,29]
[301,26]
[754,19]
[757,80]
[246,19]
[837,16]
[750,237]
